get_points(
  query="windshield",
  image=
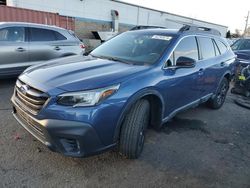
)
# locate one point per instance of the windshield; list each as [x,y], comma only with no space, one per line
[134,47]
[241,44]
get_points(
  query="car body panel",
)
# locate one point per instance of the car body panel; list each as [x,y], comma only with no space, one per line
[10,53]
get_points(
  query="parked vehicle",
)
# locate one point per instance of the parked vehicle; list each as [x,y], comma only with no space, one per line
[26,44]
[84,105]
[242,49]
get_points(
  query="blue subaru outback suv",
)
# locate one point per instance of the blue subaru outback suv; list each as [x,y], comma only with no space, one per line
[84,105]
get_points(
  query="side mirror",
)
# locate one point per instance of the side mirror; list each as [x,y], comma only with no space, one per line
[185,62]
[86,53]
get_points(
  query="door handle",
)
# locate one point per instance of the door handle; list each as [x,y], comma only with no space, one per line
[201,72]
[20,49]
[222,64]
[57,48]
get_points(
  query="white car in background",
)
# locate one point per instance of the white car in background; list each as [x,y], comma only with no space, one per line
[26,44]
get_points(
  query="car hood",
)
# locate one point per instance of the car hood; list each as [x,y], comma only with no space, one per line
[81,73]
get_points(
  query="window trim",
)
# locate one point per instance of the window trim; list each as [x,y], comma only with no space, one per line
[216,47]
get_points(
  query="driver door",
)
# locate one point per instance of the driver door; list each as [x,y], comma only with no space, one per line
[180,85]
[13,47]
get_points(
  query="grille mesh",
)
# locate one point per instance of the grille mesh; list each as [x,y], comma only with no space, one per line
[29,98]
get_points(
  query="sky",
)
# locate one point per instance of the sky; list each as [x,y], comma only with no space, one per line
[224,12]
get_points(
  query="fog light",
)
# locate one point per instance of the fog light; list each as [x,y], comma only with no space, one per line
[70,145]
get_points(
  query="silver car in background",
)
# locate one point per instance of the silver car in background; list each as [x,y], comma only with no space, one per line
[26,44]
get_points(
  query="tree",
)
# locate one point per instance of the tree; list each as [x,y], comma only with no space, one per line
[237,34]
[228,35]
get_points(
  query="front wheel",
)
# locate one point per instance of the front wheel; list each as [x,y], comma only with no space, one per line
[219,99]
[133,130]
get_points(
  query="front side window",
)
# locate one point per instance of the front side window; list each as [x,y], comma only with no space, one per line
[186,48]
[207,47]
[134,47]
[12,34]
[41,35]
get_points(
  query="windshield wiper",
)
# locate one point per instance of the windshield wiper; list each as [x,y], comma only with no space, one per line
[111,58]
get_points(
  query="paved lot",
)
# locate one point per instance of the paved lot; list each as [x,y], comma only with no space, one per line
[199,148]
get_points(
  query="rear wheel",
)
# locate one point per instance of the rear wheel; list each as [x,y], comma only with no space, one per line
[220,96]
[133,130]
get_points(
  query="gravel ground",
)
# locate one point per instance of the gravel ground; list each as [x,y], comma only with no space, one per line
[198,148]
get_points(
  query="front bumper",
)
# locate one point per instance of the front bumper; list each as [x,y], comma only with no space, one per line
[71,138]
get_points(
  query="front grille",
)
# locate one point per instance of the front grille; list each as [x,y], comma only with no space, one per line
[33,124]
[29,98]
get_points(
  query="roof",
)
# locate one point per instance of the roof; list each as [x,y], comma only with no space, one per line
[177,32]
[118,1]
[30,24]
[157,31]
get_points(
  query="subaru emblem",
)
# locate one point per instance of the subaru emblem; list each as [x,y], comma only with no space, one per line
[24,89]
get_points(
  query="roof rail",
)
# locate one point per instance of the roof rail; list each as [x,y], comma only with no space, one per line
[189,28]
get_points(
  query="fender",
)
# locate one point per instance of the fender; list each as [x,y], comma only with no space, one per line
[224,75]
[132,100]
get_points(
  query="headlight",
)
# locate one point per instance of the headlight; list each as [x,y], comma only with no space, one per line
[86,98]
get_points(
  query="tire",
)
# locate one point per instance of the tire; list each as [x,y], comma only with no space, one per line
[133,130]
[218,100]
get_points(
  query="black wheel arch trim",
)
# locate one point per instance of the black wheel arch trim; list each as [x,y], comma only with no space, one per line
[131,101]
[224,76]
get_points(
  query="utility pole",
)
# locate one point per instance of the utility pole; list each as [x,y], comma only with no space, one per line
[245,31]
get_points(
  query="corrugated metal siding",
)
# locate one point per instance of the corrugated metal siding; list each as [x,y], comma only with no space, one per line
[13,14]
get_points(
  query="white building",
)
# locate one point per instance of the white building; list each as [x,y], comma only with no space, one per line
[96,14]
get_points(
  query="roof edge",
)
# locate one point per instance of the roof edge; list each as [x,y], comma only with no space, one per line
[140,6]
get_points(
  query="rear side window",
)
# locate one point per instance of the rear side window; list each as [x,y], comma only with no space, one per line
[12,34]
[37,35]
[187,48]
[207,47]
[43,35]
[59,36]
[222,47]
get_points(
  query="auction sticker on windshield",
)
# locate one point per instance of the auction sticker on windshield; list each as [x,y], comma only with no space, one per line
[161,37]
